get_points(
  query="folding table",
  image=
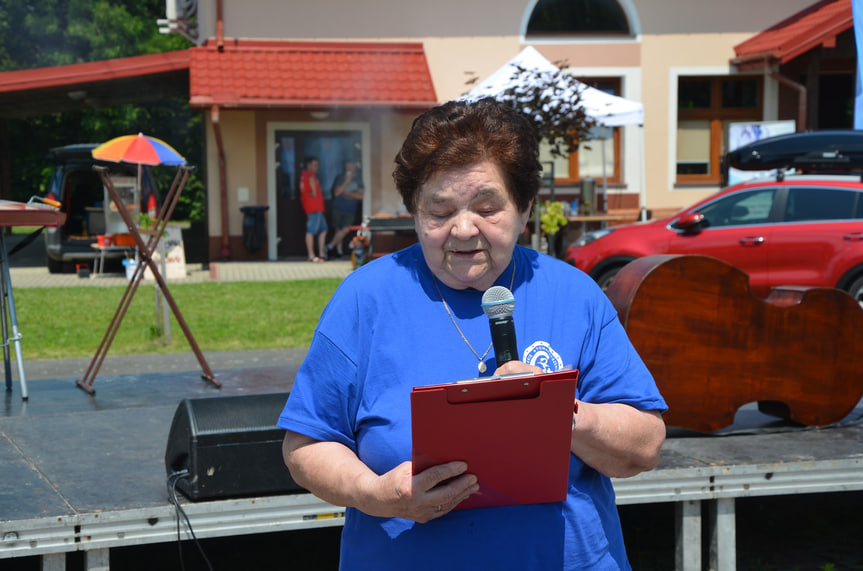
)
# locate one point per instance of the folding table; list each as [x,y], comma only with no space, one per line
[145,251]
[17,214]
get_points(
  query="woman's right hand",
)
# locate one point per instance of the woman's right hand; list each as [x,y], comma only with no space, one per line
[430,494]
[334,473]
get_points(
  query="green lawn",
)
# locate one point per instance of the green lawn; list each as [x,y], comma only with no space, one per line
[58,323]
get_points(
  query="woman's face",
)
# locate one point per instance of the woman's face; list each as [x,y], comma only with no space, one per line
[468,225]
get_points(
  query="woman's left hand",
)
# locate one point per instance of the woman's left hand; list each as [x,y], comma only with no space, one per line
[515,367]
[615,439]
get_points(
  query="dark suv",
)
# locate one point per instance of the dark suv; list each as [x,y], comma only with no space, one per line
[78,187]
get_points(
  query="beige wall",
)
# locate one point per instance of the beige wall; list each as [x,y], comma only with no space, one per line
[665,59]
[662,17]
[238,128]
[393,129]
[453,61]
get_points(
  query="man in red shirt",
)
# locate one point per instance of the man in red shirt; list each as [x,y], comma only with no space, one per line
[313,204]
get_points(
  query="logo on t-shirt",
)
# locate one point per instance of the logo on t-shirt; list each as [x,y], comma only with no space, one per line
[543,356]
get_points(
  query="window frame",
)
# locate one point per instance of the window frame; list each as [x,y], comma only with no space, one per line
[573,174]
[776,193]
[630,22]
[717,116]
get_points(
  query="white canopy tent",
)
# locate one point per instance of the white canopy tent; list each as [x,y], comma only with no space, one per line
[608,110]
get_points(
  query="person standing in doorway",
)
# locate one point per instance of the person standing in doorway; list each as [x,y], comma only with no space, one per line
[313,204]
[347,195]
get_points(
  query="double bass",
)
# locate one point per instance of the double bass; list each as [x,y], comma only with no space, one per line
[712,346]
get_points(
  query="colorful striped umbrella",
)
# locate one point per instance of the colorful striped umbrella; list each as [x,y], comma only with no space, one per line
[138,149]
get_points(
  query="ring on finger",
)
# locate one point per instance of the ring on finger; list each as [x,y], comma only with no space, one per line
[439,508]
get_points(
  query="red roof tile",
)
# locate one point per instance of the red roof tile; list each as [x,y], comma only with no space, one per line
[256,74]
[817,25]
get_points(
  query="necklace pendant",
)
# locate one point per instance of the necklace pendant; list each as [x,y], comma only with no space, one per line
[481,367]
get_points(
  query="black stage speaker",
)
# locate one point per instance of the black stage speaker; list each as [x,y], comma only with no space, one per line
[231,447]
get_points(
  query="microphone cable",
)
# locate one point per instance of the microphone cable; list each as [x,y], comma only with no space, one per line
[173,478]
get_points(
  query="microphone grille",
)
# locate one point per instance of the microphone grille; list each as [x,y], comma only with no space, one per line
[498,301]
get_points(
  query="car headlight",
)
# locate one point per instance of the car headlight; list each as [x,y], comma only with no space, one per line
[593,236]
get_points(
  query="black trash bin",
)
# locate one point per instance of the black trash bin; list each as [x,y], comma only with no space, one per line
[254,227]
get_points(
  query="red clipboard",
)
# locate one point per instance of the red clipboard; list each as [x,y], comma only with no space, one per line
[513,431]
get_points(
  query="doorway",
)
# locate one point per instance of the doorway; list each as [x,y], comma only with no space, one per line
[331,145]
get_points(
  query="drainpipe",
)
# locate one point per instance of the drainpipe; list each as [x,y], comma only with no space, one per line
[220,143]
[223,180]
[220,26]
[801,95]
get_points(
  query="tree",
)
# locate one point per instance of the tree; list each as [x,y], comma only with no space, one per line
[551,101]
[61,32]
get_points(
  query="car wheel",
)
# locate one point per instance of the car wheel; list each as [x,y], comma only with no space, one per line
[605,278]
[55,266]
[856,290]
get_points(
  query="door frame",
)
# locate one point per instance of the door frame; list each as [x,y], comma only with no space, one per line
[363,128]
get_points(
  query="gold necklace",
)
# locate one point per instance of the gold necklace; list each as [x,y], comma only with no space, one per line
[481,366]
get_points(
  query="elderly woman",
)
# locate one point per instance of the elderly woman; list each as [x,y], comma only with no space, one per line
[469,174]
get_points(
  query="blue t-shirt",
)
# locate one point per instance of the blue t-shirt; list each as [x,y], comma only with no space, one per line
[386,331]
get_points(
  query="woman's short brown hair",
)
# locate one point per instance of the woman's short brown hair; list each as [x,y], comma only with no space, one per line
[462,133]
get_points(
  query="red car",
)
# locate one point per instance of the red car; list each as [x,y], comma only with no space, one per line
[804,230]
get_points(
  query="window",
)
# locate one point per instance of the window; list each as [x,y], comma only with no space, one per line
[739,209]
[596,158]
[822,204]
[571,17]
[705,108]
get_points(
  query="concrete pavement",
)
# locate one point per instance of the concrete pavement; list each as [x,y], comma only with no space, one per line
[28,268]
[38,276]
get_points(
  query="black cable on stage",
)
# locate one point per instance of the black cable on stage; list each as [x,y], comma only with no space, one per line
[172,496]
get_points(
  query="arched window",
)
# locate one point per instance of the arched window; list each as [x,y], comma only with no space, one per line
[570,17]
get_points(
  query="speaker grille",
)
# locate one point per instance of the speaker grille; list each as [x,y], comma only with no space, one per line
[238,414]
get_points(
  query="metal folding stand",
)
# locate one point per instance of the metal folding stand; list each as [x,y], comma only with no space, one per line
[19,214]
[146,251]
[9,322]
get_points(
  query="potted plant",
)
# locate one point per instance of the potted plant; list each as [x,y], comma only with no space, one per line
[552,219]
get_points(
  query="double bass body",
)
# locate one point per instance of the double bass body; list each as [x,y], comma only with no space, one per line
[713,347]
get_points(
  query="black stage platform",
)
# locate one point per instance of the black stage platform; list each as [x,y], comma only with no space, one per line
[85,475]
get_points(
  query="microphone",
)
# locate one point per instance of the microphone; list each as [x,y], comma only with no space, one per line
[498,304]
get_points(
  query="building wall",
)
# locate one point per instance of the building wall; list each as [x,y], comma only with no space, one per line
[666,57]
[385,19]
[238,128]
[250,181]
[473,39]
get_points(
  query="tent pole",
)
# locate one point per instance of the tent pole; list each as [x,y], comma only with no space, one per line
[604,173]
[643,192]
